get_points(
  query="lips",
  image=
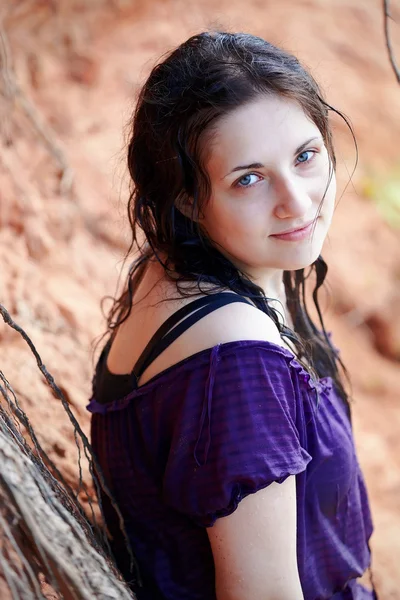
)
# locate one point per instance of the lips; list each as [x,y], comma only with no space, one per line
[295,235]
[295,229]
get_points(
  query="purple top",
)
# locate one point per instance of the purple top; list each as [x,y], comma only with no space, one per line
[187,446]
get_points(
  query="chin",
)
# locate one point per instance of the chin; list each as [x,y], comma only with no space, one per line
[296,266]
[300,260]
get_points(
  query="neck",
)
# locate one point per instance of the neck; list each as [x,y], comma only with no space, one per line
[273,287]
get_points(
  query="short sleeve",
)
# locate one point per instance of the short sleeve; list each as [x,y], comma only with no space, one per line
[237,435]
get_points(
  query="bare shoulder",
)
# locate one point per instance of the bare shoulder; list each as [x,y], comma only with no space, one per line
[156,301]
[238,321]
[229,323]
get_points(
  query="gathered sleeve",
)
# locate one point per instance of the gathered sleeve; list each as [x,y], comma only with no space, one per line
[237,436]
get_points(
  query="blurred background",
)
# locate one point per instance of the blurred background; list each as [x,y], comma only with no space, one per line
[69,74]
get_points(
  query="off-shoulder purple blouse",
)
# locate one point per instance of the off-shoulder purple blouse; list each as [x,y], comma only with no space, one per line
[185,448]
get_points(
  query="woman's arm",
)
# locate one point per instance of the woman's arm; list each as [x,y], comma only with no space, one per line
[254,548]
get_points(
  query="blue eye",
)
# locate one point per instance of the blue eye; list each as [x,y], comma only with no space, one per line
[304,155]
[245,181]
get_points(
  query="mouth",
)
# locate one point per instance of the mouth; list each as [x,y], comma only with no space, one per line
[294,234]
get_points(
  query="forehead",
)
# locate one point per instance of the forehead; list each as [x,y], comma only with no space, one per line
[261,130]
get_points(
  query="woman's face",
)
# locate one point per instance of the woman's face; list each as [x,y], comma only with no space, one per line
[269,170]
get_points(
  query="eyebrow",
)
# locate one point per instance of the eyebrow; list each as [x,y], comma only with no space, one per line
[260,165]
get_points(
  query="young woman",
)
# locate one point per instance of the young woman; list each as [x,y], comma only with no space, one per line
[219,417]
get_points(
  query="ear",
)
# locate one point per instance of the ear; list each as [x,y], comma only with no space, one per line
[185,205]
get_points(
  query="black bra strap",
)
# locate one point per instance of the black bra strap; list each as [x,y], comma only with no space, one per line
[170,331]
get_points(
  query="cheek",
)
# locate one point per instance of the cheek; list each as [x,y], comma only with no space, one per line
[229,221]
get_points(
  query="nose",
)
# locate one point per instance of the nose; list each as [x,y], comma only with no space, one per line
[292,198]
